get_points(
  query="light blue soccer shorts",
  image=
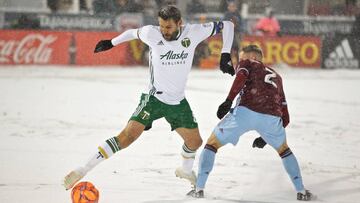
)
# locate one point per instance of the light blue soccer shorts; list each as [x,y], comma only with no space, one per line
[242,120]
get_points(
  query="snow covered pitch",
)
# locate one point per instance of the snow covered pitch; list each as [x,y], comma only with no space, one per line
[53,118]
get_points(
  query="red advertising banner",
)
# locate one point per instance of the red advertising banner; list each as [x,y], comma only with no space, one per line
[34,47]
[296,51]
[128,53]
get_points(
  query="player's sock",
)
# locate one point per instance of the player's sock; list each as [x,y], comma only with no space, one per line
[188,156]
[206,164]
[185,171]
[292,168]
[105,151]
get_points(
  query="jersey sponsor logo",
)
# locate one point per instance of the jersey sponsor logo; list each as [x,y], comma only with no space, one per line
[170,55]
[186,42]
[342,57]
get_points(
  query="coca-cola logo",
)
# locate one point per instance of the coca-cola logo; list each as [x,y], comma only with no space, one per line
[33,48]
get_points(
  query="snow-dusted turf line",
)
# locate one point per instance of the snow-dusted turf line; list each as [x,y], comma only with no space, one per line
[53,118]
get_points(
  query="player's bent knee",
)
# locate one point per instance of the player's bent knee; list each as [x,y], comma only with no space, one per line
[198,142]
[284,151]
[282,148]
[194,144]
[194,141]
[214,142]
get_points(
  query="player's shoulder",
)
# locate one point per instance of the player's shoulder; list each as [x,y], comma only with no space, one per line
[149,32]
[274,71]
[200,26]
[149,28]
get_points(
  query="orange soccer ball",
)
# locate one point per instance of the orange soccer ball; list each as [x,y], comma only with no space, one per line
[84,192]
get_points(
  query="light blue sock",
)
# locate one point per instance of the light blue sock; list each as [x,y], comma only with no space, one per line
[206,164]
[292,168]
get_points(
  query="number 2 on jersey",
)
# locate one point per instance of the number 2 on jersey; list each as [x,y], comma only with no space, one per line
[270,76]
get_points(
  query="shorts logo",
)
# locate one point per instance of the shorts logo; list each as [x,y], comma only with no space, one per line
[221,130]
[186,42]
[145,115]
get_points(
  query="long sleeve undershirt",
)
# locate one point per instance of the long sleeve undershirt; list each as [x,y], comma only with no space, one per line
[125,36]
[227,36]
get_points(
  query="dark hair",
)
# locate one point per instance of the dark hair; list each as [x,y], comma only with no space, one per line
[253,48]
[170,12]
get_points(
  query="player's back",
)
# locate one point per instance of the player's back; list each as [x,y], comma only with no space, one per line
[263,91]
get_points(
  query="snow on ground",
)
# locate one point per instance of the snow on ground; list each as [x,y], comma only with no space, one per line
[53,118]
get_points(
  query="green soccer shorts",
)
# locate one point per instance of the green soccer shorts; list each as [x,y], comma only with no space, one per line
[150,109]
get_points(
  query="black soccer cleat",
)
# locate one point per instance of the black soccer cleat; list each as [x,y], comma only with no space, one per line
[198,194]
[305,197]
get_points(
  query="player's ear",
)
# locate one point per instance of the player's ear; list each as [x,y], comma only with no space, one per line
[179,23]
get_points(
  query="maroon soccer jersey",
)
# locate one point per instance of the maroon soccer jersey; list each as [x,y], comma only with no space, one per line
[262,89]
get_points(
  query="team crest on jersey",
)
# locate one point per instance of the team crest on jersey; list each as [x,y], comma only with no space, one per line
[186,42]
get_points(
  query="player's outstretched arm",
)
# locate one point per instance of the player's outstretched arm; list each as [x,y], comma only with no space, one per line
[237,85]
[226,65]
[104,45]
[227,30]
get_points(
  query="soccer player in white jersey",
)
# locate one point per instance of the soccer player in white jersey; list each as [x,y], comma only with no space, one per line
[172,47]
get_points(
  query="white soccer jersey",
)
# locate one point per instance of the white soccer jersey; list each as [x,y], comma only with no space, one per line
[170,61]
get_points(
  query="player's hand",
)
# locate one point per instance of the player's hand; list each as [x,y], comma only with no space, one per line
[285,118]
[259,143]
[224,108]
[226,65]
[285,122]
[103,45]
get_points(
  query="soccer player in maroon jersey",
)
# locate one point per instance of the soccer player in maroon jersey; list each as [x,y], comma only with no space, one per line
[261,107]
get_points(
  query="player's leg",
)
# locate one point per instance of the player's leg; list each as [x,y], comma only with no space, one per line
[128,135]
[192,141]
[228,130]
[292,168]
[206,163]
[108,148]
[272,131]
[181,119]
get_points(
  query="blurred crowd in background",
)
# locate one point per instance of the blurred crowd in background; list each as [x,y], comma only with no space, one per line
[330,21]
[110,7]
[193,10]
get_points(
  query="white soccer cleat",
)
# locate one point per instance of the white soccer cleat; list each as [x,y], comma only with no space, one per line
[179,172]
[73,177]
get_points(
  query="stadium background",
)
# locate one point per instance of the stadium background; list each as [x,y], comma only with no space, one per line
[314,33]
